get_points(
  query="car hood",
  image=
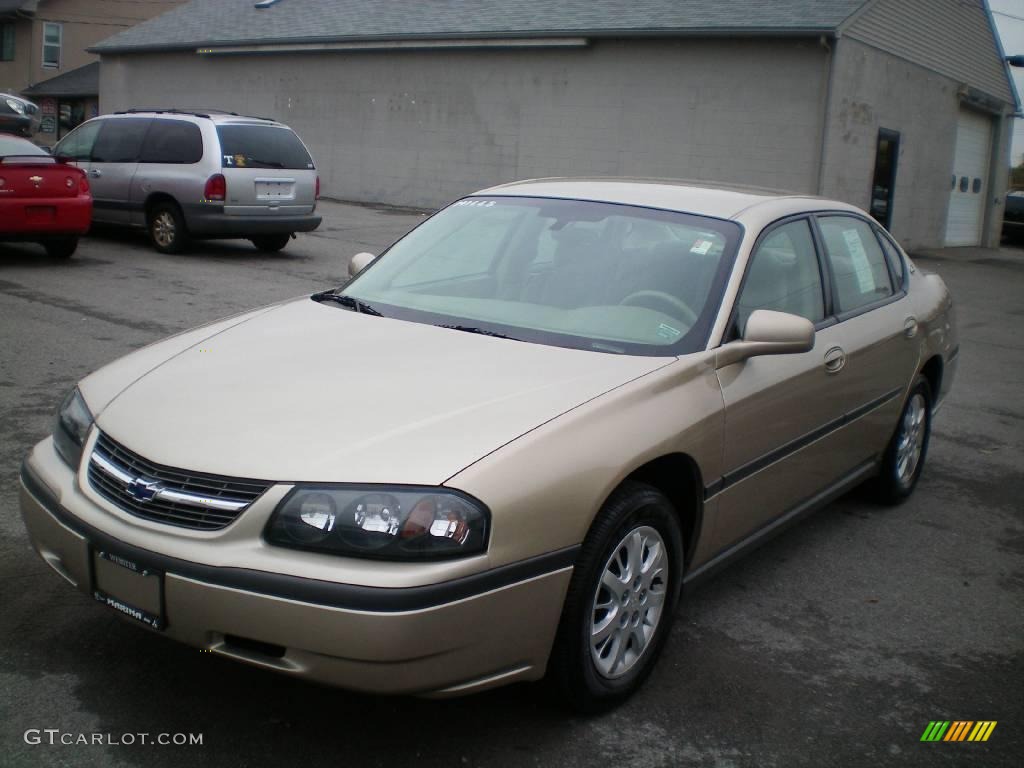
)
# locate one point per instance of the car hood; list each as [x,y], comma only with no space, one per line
[313,392]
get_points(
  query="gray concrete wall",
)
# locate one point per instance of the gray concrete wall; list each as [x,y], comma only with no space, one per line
[871,90]
[421,128]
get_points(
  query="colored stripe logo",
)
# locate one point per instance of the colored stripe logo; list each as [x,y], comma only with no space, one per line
[958,730]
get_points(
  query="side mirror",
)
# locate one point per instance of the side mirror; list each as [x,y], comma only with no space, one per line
[359,262]
[768,333]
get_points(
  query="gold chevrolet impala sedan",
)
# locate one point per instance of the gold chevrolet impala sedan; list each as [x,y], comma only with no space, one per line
[503,448]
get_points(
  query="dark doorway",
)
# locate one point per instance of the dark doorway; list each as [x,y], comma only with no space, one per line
[883,185]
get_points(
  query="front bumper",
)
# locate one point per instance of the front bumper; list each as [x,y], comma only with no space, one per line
[457,637]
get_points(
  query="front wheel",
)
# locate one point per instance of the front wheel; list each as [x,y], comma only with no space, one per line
[621,600]
[905,454]
[63,248]
[271,243]
[167,230]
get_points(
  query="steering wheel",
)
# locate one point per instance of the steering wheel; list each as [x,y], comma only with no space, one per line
[646,298]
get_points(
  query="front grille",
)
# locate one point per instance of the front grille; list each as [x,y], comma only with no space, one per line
[166,495]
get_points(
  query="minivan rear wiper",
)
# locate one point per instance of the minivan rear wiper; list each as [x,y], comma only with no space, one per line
[346,301]
[481,331]
[265,163]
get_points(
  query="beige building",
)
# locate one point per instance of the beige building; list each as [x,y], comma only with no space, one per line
[44,39]
[901,107]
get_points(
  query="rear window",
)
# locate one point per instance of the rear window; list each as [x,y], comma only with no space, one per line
[261,146]
[11,145]
[172,141]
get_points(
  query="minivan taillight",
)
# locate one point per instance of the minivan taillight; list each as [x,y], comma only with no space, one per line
[216,188]
[317,197]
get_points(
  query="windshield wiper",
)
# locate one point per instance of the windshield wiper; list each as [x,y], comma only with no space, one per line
[481,331]
[346,301]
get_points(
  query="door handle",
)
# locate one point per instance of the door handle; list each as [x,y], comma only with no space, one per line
[835,360]
[95,173]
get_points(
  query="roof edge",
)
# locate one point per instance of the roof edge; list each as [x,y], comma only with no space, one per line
[622,34]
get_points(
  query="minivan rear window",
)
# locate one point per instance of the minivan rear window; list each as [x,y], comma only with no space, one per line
[261,146]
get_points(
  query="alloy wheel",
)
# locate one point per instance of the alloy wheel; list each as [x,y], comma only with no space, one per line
[628,601]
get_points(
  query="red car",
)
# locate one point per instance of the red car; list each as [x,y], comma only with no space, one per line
[42,198]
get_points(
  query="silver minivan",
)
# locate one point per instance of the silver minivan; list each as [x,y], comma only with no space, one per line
[185,175]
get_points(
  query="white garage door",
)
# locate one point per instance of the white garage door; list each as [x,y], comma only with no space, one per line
[969,187]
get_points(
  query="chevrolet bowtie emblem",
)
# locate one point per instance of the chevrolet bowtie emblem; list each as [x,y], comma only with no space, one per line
[37,180]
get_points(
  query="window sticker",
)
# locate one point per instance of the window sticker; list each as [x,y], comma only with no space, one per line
[861,265]
[477,203]
[701,247]
[668,332]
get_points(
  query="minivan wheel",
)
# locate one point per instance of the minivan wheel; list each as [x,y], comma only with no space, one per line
[905,454]
[62,248]
[167,228]
[621,600]
[271,243]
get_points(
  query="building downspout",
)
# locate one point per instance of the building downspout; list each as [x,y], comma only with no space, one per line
[826,108]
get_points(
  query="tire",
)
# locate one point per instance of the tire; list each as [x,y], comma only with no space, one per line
[166,226]
[271,243]
[904,456]
[63,248]
[594,676]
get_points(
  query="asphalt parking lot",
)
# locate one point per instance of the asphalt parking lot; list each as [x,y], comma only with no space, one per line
[833,645]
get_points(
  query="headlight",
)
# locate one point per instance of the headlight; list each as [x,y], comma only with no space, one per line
[382,523]
[71,427]
[16,105]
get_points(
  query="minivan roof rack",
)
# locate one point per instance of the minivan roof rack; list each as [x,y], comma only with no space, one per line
[197,112]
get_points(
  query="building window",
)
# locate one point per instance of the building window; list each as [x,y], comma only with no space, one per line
[52,36]
[6,42]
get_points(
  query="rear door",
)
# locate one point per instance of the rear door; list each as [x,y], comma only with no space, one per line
[879,329]
[268,170]
[112,166]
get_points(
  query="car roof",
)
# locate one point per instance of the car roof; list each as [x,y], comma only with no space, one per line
[217,116]
[723,201]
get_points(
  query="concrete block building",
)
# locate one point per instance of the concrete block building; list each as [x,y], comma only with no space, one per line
[902,107]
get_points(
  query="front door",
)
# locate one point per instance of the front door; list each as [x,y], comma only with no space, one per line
[782,412]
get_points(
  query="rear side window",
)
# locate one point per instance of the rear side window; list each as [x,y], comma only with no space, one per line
[858,264]
[261,146]
[120,140]
[78,144]
[172,141]
[892,255]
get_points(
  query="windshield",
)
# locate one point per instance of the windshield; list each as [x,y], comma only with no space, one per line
[572,273]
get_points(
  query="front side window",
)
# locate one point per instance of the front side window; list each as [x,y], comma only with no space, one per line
[120,140]
[587,275]
[858,264]
[172,141]
[78,144]
[53,35]
[784,276]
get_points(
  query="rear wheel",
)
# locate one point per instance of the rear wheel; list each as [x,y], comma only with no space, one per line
[621,600]
[904,457]
[167,228]
[271,243]
[62,248]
